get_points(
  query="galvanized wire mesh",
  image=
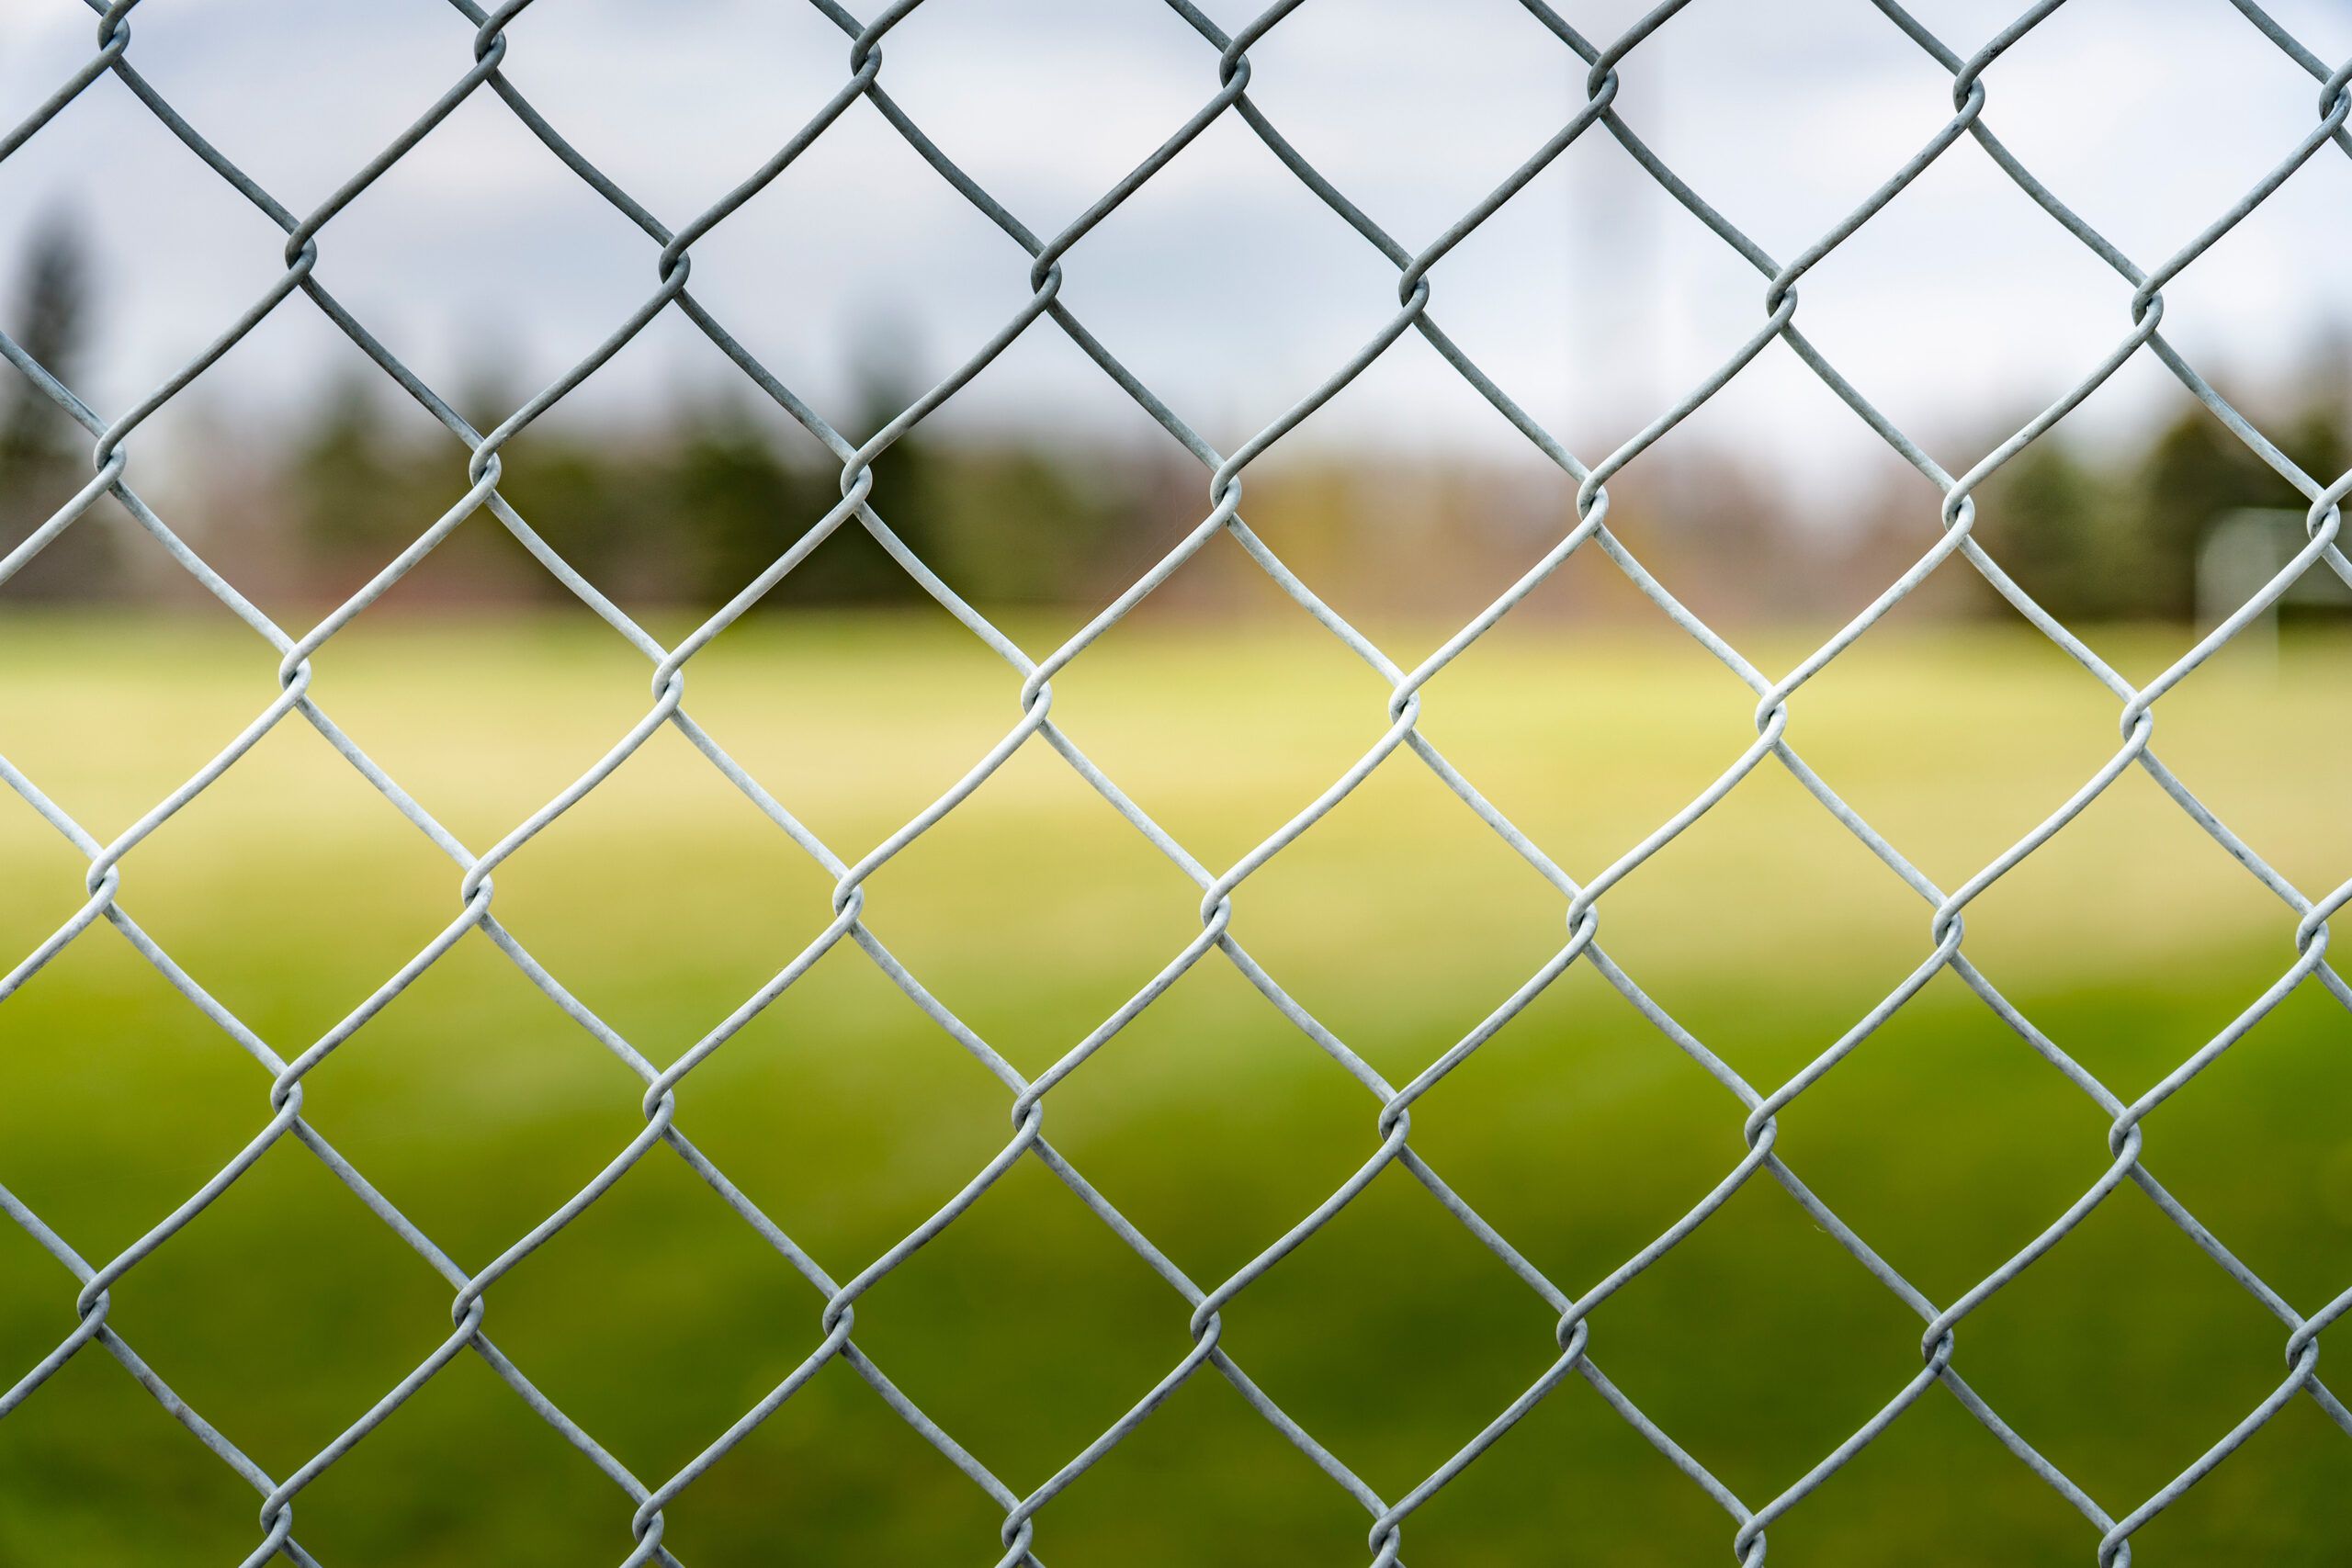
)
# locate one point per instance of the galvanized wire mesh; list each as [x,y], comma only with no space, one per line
[1226,68]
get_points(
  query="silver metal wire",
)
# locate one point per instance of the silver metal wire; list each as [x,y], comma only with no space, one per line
[1226,72]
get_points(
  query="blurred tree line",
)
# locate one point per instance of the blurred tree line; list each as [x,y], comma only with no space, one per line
[2099,534]
[692,510]
[689,507]
[686,509]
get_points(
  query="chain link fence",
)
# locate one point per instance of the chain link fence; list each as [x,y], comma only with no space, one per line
[2109,1523]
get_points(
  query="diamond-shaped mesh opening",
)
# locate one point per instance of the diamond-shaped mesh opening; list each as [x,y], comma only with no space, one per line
[639,1371]
[1037,527]
[1221,312]
[548,1105]
[1811,1355]
[100,1166]
[2058,311]
[575,267]
[275,1351]
[1206,1466]
[1152,702]
[1249,1167]
[2145,848]
[1317,67]
[2101,1306]
[1405,1272]
[1024,1329]
[1571,1465]
[1947,1136]
[2120,94]
[1994,1507]
[964,76]
[1737,878]
[793,697]
[441,718]
[373,890]
[1848,130]
[834,1464]
[1949,803]
[206,253]
[1479,926]
[1592,296]
[848,1151]
[595,891]
[463,1461]
[717,88]
[1617,1108]
[1453,512]
[938,285]
[2212,296]
[986,868]
[2251,743]
[344,88]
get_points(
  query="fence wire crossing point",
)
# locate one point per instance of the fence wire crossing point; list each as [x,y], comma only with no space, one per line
[1226,73]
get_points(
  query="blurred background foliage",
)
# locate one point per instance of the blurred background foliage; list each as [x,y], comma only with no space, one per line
[685,507]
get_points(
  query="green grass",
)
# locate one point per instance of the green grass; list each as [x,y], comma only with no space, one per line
[291,890]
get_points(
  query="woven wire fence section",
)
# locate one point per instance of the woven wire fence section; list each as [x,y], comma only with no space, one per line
[1580,1333]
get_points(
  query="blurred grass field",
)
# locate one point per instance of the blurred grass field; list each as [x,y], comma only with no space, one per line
[291,890]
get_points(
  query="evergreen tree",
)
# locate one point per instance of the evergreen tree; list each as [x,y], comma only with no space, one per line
[2196,471]
[345,483]
[593,502]
[1032,526]
[908,496]
[735,507]
[2047,519]
[44,454]
[2316,439]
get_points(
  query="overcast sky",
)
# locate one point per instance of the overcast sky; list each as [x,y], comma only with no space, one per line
[1224,283]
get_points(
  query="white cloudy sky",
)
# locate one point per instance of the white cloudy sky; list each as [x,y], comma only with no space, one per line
[1224,283]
